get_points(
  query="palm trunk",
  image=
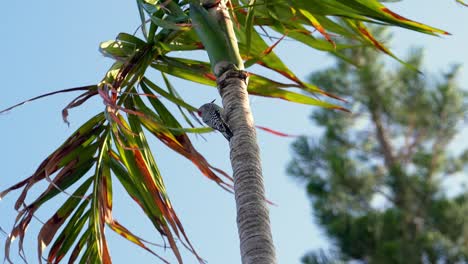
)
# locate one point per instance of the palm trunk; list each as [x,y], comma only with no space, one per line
[214,27]
[253,222]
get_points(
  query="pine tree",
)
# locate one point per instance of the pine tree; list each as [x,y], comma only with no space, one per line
[375,177]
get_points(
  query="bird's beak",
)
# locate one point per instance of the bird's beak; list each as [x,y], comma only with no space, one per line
[213,101]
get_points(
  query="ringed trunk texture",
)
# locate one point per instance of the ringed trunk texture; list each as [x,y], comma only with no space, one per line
[212,22]
[256,243]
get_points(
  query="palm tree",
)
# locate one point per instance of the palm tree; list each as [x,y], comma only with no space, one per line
[112,145]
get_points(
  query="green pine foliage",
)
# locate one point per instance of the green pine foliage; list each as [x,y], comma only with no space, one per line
[375,177]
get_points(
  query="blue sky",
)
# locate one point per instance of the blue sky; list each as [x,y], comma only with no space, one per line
[51,45]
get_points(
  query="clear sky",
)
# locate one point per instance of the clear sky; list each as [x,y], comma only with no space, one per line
[51,45]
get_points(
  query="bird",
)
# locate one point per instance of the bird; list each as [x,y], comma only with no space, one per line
[212,115]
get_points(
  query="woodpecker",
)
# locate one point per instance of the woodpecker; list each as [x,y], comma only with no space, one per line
[212,115]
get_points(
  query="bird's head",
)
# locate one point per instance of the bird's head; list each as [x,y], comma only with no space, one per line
[200,110]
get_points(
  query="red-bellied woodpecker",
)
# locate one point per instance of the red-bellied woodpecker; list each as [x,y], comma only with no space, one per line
[212,115]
